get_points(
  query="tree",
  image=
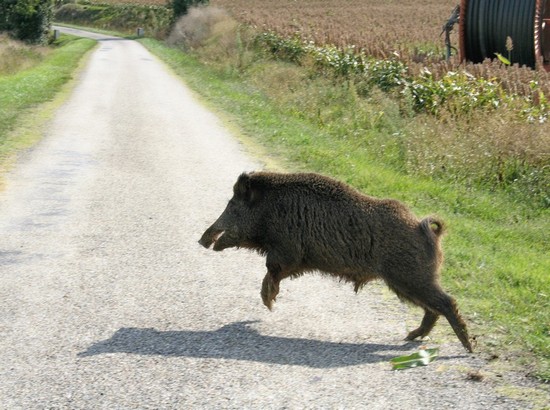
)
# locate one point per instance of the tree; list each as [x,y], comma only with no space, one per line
[27,20]
[5,13]
[181,7]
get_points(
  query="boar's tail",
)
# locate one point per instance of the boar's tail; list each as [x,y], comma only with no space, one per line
[433,227]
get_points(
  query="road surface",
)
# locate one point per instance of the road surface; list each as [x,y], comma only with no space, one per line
[107,301]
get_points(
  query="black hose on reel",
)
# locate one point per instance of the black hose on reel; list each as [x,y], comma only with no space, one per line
[490,24]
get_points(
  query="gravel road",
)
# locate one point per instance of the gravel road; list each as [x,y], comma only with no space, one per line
[107,301]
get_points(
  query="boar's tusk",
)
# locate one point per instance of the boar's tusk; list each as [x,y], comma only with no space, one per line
[217,236]
[208,238]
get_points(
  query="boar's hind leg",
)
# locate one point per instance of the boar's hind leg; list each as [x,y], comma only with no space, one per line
[443,304]
[436,302]
[450,311]
[428,322]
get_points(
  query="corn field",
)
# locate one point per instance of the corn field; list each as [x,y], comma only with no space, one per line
[378,27]
[408,30]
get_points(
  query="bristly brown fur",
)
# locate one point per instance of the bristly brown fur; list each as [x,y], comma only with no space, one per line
[309,222]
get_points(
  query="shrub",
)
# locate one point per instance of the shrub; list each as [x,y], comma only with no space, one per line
[194,28]
[27,20]
[213,34]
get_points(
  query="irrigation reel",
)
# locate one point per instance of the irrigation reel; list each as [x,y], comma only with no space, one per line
[518,30]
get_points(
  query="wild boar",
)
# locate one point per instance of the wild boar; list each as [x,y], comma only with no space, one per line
[307,222]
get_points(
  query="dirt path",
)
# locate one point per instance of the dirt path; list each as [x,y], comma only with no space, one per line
[107,300]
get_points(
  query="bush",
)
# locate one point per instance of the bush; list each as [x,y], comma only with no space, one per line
[215,35]
[196,27]
[27,20]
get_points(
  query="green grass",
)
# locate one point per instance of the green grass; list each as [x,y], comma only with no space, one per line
[21,93]
[497,250]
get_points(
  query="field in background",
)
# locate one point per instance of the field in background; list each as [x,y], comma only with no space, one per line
[408,30]
[380,27]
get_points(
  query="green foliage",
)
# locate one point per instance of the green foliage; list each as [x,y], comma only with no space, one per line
[422,358]
[27,20]
[536,107]
[289,49]
[459,93]
[462,128]
[503,59]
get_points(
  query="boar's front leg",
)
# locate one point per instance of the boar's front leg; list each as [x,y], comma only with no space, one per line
[270,289]
[277,270]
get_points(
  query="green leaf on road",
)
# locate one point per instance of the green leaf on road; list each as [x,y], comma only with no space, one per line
[421,358]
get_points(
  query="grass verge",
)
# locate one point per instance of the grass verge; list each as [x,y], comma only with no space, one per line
[23,93]
[496,253]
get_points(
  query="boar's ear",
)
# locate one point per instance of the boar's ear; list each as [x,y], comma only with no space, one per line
[245,190]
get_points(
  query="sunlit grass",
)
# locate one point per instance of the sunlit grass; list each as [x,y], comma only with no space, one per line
[25,89]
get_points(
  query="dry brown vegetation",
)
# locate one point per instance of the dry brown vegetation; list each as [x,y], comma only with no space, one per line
[16,56]
[379,27]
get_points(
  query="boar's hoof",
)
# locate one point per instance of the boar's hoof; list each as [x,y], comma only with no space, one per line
[269,292]
[414,334]
[268,303]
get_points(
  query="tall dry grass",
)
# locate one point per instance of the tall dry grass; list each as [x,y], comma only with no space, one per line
[199,25]
[491,151]
[215,36]
[16,56]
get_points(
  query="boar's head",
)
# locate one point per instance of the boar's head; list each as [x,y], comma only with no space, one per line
[238,224]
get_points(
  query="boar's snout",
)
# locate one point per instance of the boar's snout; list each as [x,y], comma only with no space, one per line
[222,238]
[210,236]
